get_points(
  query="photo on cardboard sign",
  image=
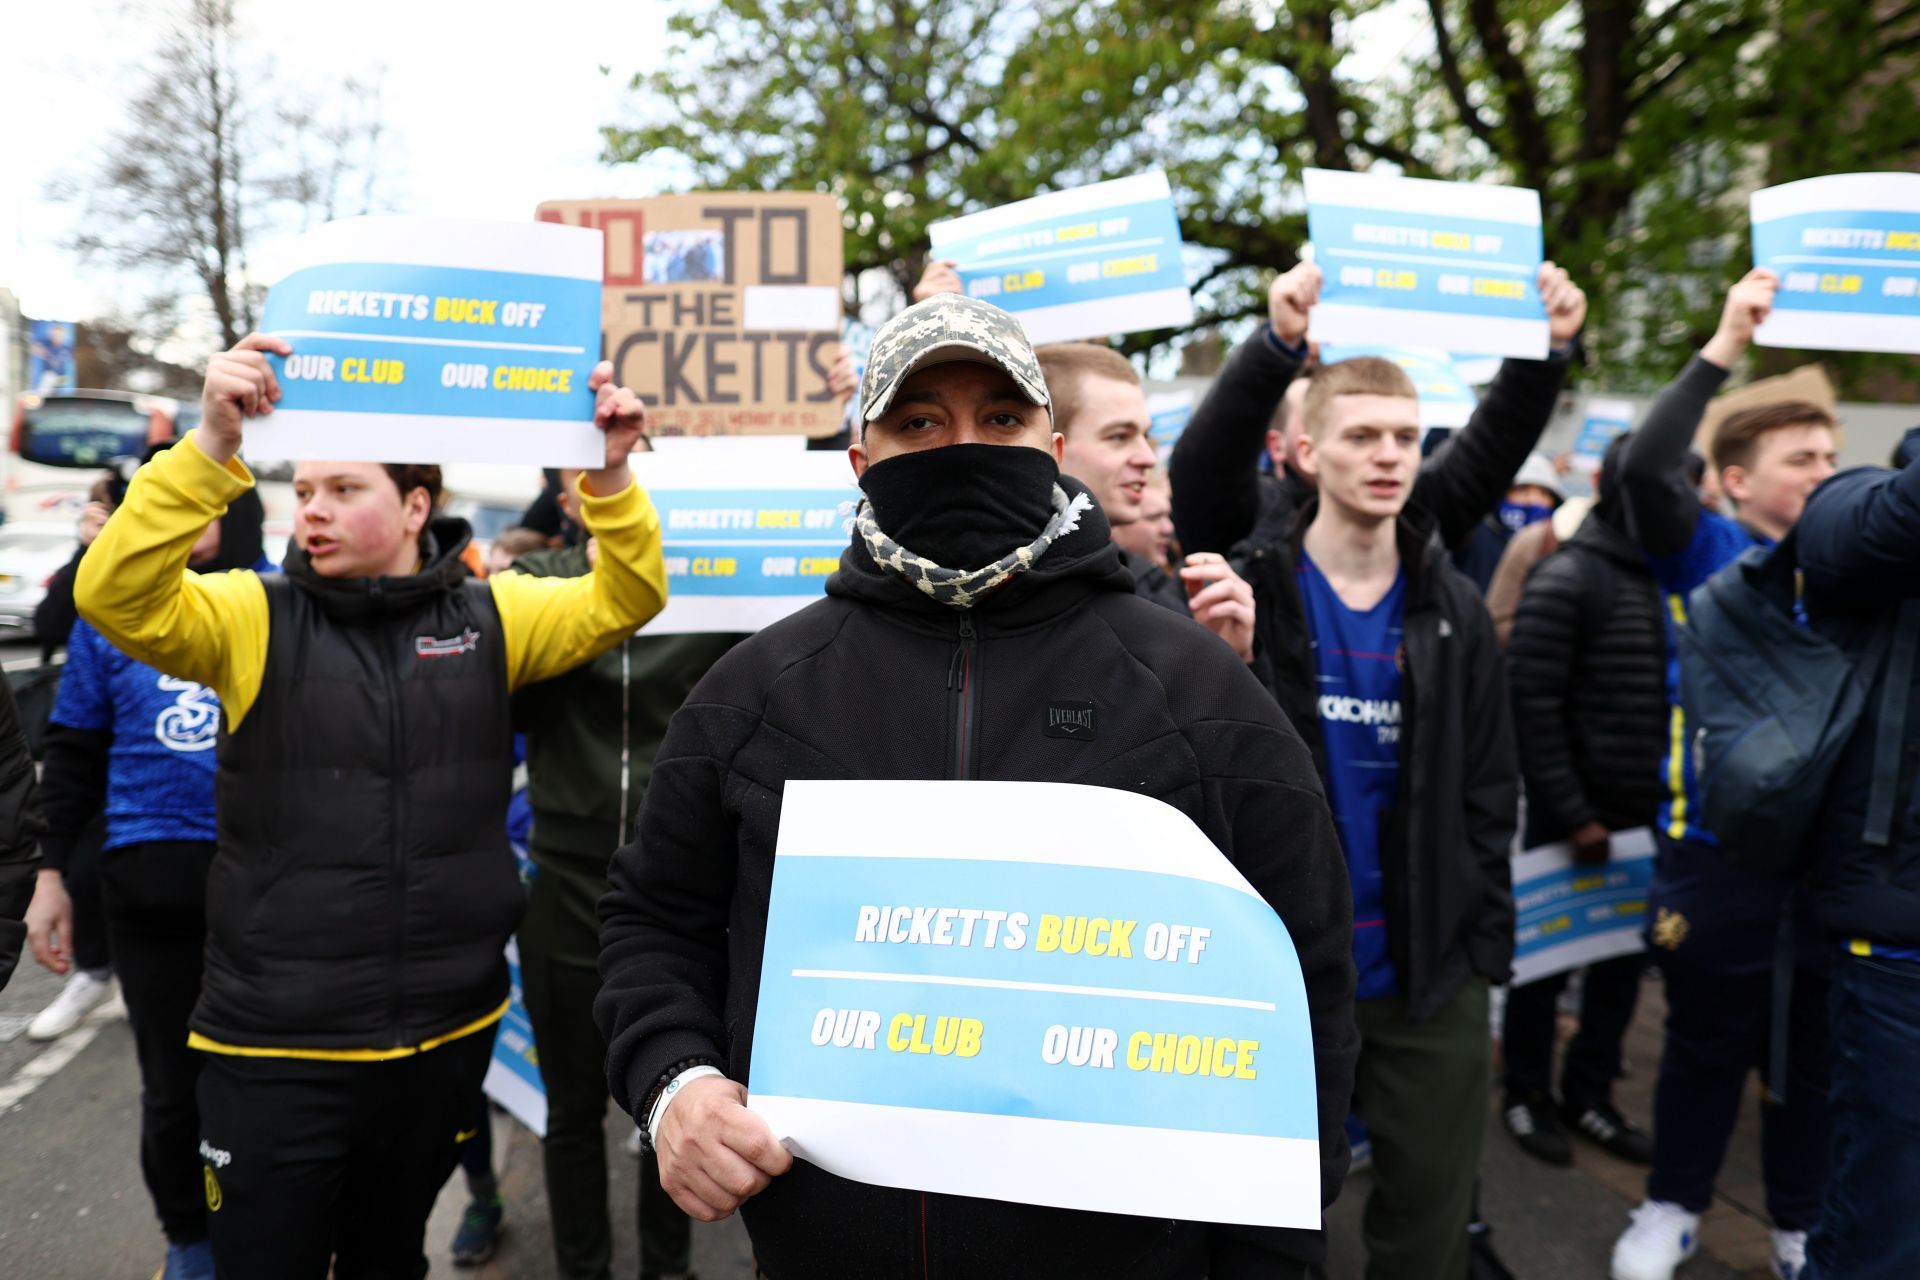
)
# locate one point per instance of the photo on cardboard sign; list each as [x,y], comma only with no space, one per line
[680,257]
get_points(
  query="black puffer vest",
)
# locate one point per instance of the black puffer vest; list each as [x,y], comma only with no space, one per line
[363,888]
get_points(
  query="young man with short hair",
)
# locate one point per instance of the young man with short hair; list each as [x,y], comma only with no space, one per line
[1220,501]
[362,890]
[980,584]
[1386,662]
[1714,926]
[1101,411]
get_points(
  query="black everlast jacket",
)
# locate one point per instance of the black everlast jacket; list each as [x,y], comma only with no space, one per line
[363,890]
[1859,549]
[1587,663]
[20,829]
[1219,500]
[1445,851]
[860,685]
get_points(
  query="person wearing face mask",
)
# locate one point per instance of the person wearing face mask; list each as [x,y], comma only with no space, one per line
[1536,493]
[980,586]
[361,891]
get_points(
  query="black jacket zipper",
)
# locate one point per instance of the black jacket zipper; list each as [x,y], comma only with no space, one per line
[962,709]
[397,861]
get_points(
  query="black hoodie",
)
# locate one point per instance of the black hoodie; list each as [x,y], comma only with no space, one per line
[861,685]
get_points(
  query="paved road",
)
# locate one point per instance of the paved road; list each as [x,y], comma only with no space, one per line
[72,1206]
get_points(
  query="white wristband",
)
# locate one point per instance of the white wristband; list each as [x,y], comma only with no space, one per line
[669,1093]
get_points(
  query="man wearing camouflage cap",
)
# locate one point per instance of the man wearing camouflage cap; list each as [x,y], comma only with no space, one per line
[980,587]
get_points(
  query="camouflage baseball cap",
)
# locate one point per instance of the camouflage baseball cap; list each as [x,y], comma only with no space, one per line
[946,328]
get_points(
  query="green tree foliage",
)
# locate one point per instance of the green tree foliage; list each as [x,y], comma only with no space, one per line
[1643,123]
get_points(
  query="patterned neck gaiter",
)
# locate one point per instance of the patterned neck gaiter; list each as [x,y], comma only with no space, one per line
[963,588]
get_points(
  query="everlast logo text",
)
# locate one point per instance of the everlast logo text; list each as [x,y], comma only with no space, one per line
[1070,720]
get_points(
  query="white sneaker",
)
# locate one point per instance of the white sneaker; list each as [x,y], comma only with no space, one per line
[1789,1254]
[81,996]
[1661,1237]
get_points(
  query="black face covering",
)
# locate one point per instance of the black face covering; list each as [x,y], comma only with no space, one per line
[965,505]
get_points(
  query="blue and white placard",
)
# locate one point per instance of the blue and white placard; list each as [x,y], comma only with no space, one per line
[436,340]
[1417,263]
[1603,421]
[1064,995]
[513,1076]
[1567,915]
[1168,412]
[1847,250]
[749,535]
[1446,398]
[1084,263]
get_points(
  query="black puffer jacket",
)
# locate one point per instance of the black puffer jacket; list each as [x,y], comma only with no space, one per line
[1587,666]
[860,685]
[363,891]
[1446,849]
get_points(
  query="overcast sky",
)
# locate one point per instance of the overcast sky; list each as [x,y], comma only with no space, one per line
[491,106]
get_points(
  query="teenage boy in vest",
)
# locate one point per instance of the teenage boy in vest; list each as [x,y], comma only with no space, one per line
[1859,549]
[362,890]
[1713,925]
[1386,661]
[1101,411]
[972,552]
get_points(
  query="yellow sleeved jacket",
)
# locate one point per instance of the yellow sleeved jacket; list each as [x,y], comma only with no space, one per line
[135,588]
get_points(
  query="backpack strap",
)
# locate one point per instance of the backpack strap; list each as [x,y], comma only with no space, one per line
[1903,636]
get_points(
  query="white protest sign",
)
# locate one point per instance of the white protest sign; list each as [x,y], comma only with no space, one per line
[1410,262]
[1064,995]
[1847,250]
[1568,915]
[749,534]
[1084,263]
[436,340]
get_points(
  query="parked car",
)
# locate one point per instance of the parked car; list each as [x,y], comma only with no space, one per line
[29,556]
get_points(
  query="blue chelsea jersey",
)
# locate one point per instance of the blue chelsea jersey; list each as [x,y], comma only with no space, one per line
[161,765]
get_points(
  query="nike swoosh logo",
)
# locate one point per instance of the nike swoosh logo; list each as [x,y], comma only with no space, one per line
[465,1135]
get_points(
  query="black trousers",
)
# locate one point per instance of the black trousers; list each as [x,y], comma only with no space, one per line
[154,897]
[91,945]
[1593,1057]
[559,975]
[1718,1034]
[310,1162]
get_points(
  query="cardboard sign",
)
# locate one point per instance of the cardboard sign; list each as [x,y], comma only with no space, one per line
[749,536]
[1068,998]
[1847,249]
[1568,915]
[1446,398]
[1085,263]
[1416,263]
[721,309]
[435,340]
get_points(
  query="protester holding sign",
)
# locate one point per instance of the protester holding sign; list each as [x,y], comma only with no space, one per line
[1587,662]
[1356,605]
[362,890]
[1219,500]
[980,627]
[1714,926]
